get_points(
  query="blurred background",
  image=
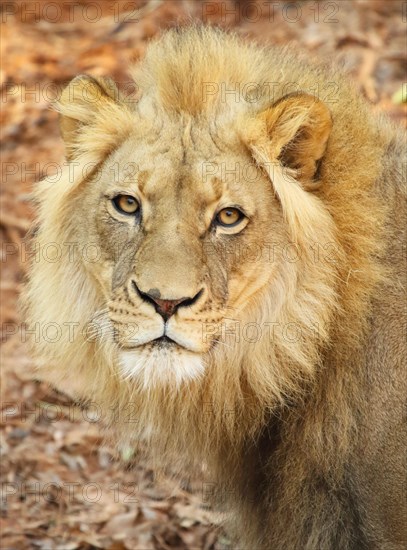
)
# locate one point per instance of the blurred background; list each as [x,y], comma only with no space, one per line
[62,486]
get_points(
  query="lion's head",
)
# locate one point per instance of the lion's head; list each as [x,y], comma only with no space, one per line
[198,255]
[190,232]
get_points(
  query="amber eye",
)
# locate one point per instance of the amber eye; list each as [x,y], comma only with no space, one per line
[229,217]
[126,204]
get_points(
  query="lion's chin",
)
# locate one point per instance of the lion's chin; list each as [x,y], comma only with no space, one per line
[156,365]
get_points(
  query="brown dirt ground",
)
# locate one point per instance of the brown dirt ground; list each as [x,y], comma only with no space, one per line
[62,487]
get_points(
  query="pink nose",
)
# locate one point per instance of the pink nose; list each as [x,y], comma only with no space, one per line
[166,308]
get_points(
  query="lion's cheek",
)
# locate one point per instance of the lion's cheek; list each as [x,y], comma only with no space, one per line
[247,282]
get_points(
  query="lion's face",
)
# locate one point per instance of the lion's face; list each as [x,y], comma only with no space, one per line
[186,230]
[204,223]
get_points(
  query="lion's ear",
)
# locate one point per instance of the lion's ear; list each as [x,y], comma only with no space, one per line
[80,101]
[296,129]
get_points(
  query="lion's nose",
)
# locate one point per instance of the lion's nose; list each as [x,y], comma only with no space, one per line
[164,307]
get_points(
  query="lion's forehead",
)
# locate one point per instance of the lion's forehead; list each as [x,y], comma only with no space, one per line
[185,167]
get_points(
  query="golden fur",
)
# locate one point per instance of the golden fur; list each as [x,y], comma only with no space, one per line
[302,433]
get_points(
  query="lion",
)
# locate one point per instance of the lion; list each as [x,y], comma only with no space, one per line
[233,274]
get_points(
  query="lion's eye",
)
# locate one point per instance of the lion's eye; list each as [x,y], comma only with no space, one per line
[229,217]
[126,204]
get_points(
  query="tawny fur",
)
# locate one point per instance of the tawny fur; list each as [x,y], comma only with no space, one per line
[305,442]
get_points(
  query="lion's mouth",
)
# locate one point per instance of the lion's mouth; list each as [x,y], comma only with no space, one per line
[157,338]
[163,342]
